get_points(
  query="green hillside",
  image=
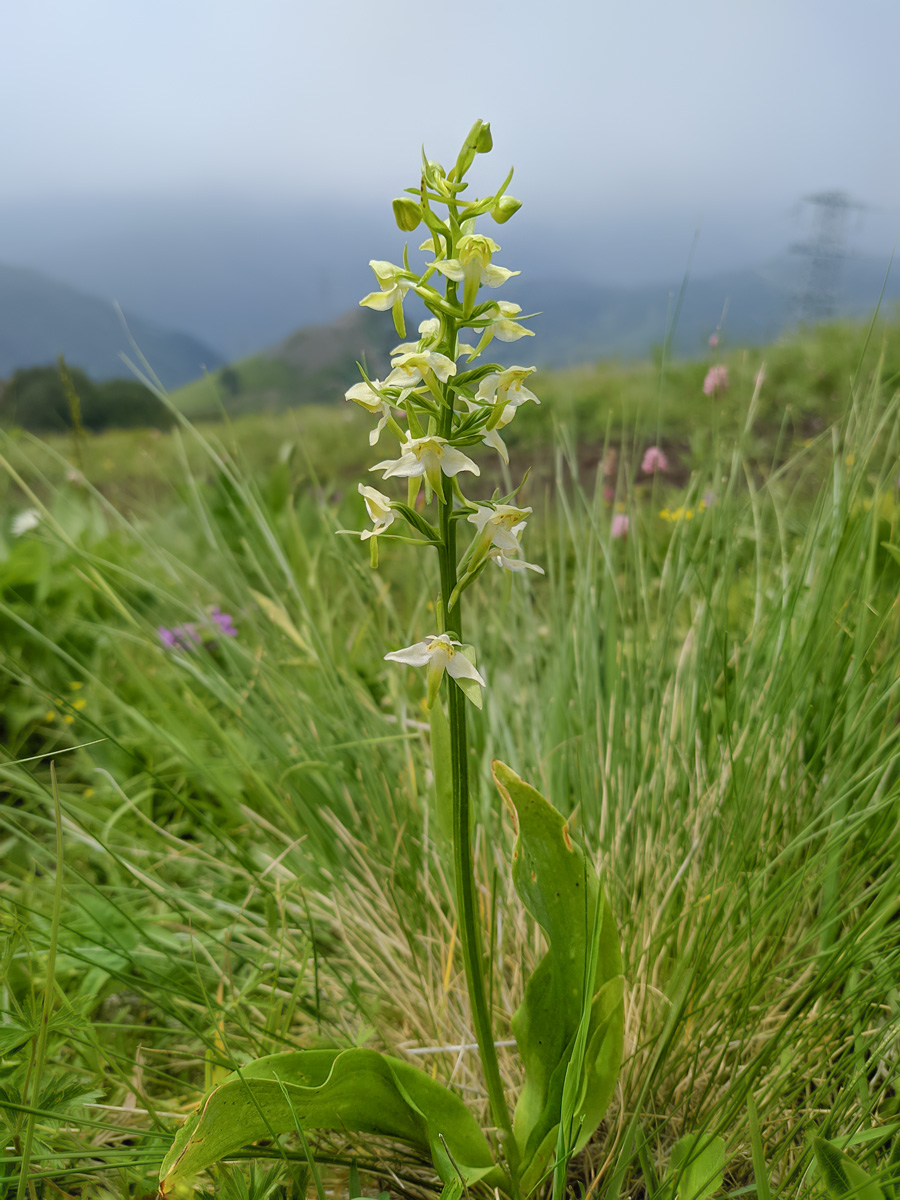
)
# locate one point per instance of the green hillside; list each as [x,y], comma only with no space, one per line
[313,366]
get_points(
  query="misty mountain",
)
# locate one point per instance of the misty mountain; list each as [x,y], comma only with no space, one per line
[575,322]
[240,274]
[581,322]
[41,318]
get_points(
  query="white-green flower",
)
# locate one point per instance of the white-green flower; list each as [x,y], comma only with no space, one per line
[513,564]
[495,522]
[411,369]
[429,336]
[368,396]
[472,267]
[378,506]
[500,528]
[502,326]
[506,387]
[394,283]
[439,653]
[428,456]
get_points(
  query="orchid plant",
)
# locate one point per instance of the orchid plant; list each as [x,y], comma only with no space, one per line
[569,1026]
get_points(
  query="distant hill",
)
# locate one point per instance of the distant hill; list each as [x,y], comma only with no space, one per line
[315,365]
[578,322]
[582,322]
[41,319]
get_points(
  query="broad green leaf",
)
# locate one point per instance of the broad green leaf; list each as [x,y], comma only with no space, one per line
[559,887]
[697,1166]
[841,1176]
[356,1089]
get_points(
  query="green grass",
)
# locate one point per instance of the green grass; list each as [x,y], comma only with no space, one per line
[264,383]
[251,857]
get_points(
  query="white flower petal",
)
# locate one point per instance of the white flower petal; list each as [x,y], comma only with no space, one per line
[451,267]
[493,439]
[459,667]
[453,461]
[493,276]
[417,655]
[380,301]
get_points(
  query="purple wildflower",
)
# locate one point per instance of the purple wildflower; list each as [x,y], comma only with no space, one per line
[182,637]
[224,621]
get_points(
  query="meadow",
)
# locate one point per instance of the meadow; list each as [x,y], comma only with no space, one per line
[241,851]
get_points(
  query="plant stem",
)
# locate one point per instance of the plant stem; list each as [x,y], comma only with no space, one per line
[464,873]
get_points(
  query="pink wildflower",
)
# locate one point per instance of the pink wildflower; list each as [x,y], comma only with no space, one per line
[654,460]
[620,526]
[716,380]
[714,340]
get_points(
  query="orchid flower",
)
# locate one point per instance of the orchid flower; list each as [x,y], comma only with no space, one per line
[418,366]
[439,653]
[502,326]
[428,456]
[513,564]
[429,337]
[394,283]
[368,396]
[500,528]
[496,521]
[506,387]
[473,267]
[378,506]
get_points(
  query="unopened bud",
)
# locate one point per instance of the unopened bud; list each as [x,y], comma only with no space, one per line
[504,208]
[407,213]
[484,143]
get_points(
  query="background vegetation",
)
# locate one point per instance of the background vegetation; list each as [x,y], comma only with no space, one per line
[247,825]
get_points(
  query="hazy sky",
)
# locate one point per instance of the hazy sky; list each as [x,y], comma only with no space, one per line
[631,103]
[633,120]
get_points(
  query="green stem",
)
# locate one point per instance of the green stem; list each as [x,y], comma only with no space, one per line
[464,873]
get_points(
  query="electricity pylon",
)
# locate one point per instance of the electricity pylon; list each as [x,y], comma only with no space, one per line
[825,252]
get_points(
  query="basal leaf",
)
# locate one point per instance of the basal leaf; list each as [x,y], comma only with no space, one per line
[696,1167]
[841,1176]
[559,887]
[355,1089]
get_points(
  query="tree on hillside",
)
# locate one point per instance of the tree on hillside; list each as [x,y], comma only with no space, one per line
[35,398]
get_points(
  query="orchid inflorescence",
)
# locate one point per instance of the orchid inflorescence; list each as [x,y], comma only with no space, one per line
[439,407]
[569,1026]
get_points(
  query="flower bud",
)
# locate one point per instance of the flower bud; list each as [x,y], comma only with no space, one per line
[478,141]
[484,143]
[407,213]
[504,208]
